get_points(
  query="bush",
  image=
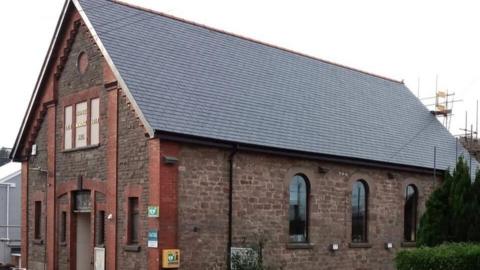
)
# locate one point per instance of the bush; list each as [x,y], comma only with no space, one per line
[434,226]
[249,259]
[453,210]
[473,210]
[458,256]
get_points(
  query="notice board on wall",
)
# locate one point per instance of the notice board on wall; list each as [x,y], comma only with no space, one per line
[99,258]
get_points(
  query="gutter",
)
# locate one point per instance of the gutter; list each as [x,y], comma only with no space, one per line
[230,204]
[293,153]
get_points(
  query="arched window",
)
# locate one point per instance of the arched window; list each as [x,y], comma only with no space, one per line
[410,214]
[298,209]
[359,211]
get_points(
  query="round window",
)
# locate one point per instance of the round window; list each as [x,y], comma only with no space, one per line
[82,62]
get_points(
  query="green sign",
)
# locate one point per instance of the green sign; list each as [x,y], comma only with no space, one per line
[153,211]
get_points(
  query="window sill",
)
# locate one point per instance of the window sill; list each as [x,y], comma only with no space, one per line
[63,244]
[38,241]
[88,147]
[408,244]
[300,245]
[132,248]
[360,245]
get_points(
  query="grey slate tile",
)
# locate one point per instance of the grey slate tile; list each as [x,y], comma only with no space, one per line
[196,81]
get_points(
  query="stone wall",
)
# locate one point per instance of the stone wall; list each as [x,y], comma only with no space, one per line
[260,207]
[203,207]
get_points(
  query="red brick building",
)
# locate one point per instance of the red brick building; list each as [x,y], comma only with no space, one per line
[235,143]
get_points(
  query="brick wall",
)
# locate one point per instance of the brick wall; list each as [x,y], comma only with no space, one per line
[260,191]
[37,186]
[132,177]
[90,164]
[63,260]
[260,208]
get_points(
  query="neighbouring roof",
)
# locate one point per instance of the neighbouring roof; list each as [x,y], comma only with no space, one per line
[9,170]
[188,79]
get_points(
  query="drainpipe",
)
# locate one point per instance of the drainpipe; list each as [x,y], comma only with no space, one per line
[434,165]
[230,205]
[8,211]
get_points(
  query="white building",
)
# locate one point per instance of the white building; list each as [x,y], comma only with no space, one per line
[10,191]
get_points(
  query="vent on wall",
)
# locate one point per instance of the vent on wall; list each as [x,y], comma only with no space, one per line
[34,150]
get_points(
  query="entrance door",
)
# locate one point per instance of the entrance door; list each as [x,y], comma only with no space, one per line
[84,250]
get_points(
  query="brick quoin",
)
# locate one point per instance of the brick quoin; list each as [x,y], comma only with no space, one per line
[168,227]
[153,196]
[24,230]
[72,220]
[51,224]
[112,156]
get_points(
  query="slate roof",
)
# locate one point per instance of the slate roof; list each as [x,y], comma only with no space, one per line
[9,170]
[193,80]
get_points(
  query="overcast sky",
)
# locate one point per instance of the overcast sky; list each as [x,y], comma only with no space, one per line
[404,40]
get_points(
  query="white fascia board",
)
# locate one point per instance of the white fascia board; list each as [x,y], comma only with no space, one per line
[40,78]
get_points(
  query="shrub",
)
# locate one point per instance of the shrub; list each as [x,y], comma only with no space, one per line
[473,210]
[453,210]
[248,259]
[459,256]
[461,197]
[435,222]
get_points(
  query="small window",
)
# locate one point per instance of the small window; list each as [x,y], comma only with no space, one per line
[82,124]
[81,114]
[68,127]
[38,220]
[100,228]
[410,213]
[63,227]
[133,220]
[94,126]
[298,209]
[359,212]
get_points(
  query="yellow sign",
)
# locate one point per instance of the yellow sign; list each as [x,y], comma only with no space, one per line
[171,258]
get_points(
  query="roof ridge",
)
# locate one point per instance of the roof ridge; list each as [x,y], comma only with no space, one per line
[251,40]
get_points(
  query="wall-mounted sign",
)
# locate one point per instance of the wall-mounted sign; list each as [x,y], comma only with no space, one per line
[152,211]
[99,258]
[171,258]
[81,113]
[152,239]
